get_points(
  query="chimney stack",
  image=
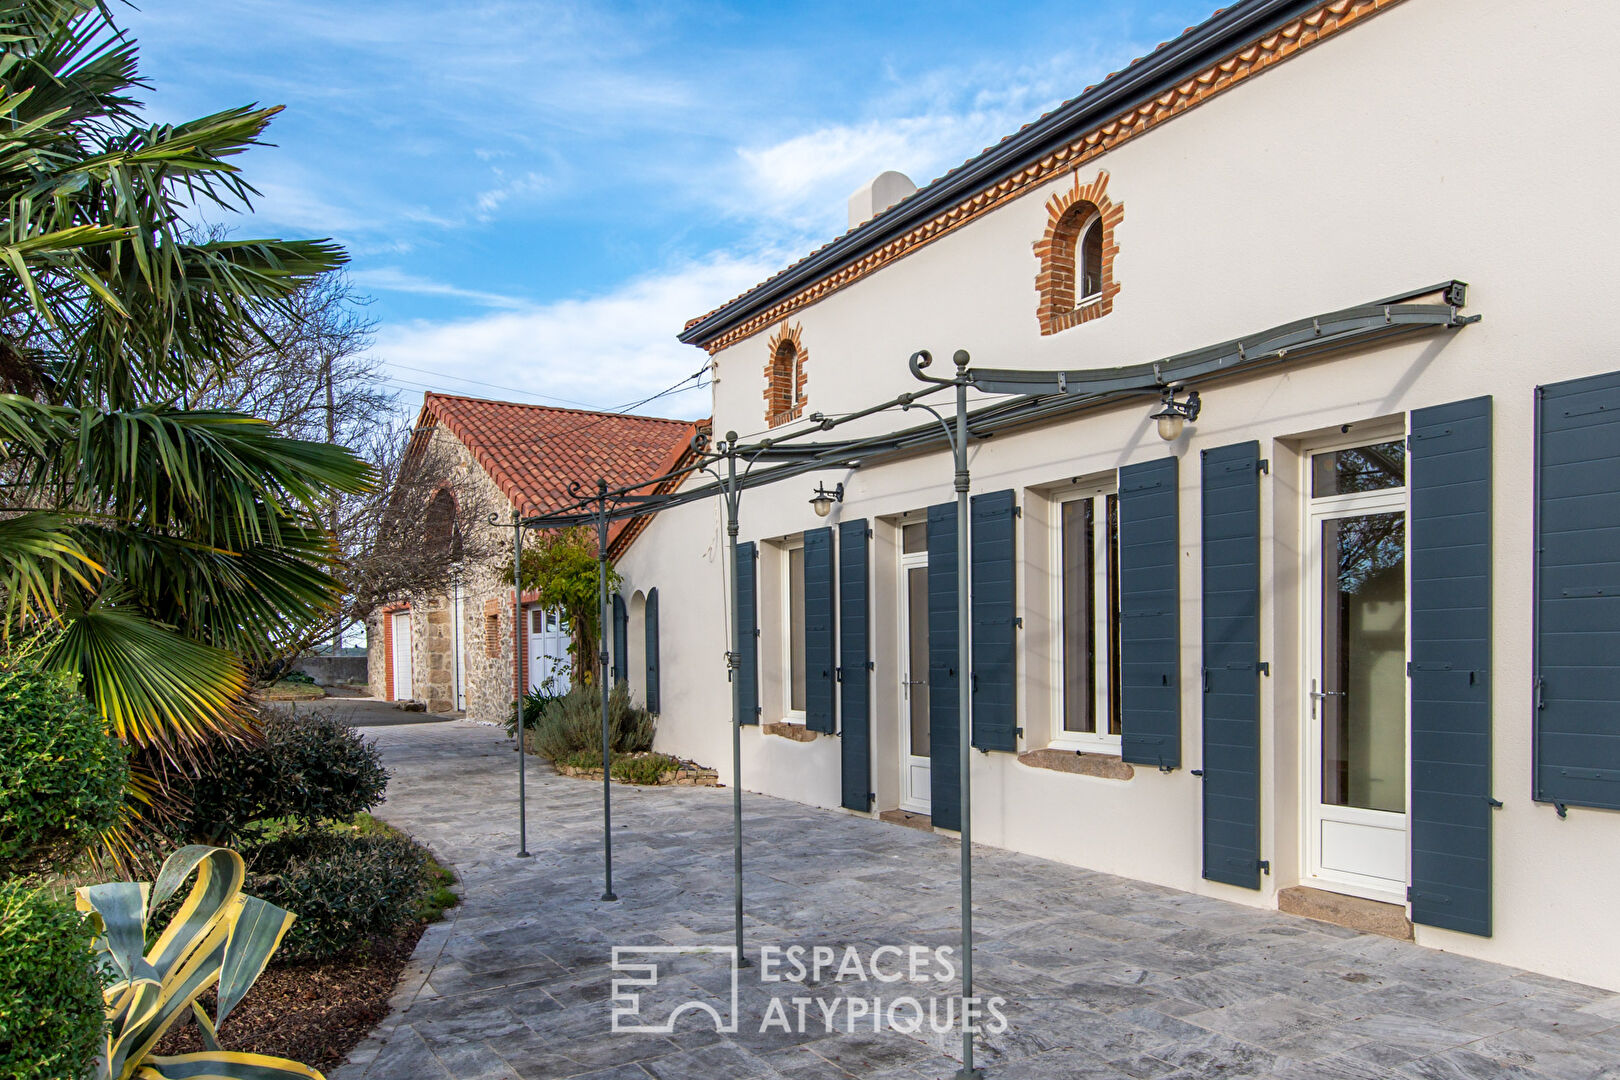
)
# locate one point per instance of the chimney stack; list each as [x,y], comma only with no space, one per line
[885,189]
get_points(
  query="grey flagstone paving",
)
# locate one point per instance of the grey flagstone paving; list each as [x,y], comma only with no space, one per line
[1103,977]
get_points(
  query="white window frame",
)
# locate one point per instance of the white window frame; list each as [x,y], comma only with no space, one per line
[1091,742]
[790,715]
[1080,263]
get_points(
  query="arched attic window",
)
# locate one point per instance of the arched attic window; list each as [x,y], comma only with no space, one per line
[443,532]
[1075,280]
[785,377]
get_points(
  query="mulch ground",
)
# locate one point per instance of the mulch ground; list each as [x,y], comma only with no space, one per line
[310,1012]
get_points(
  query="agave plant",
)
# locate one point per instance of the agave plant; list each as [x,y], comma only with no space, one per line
[220,936]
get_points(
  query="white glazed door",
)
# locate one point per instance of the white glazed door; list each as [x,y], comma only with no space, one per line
[1356,716]
[914,736]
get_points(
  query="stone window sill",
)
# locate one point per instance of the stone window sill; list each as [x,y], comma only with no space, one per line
[1103,766]
[796,732]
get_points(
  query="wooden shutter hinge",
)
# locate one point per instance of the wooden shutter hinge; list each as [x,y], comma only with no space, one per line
[1264,668]
[1195,772]
[1494,804]
[1264,465]
[1265,866]
[1018,622]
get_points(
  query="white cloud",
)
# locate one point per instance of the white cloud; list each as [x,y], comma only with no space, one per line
[393,279]
[609,350]
[490,200]
[923,126]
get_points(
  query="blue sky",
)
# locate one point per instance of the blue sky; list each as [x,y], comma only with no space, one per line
[538,195]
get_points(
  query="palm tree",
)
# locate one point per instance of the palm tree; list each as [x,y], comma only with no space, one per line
[164,547]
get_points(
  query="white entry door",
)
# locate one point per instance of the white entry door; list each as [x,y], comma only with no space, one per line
[402,656]
[548,651]
[1356,703]
[915,766]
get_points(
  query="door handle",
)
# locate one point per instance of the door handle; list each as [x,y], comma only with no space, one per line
[1318,695]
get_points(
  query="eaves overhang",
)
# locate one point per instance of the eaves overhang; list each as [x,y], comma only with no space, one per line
[1224,33]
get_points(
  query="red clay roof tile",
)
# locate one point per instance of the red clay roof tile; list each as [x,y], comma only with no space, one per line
[533,452]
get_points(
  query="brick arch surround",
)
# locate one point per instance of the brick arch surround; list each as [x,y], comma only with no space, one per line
[1066,213]
[785,376]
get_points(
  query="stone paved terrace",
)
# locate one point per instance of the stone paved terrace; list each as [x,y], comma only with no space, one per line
[1103,977]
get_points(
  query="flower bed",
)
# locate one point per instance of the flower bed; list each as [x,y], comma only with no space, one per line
[627,770]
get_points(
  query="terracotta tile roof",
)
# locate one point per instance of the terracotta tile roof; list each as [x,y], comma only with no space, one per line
[533,452]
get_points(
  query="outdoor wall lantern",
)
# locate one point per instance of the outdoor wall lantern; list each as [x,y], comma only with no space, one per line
[822,501]
[1174,415]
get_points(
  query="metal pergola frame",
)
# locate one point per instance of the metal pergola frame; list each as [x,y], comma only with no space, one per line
[1036,397]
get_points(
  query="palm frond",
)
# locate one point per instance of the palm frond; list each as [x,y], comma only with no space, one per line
[155,687]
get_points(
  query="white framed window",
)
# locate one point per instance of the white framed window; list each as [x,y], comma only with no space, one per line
[793,669]
[1088,261]
[1085,601]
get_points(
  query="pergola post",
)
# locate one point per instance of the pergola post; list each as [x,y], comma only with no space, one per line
[964,707]
[734,666]
[605,678]
[517,682]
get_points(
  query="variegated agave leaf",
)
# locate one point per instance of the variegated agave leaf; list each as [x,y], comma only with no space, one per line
[219,936]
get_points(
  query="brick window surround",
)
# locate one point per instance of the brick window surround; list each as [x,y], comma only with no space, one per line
[1069,214]
[785,376]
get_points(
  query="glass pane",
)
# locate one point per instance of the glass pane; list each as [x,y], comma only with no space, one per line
[917,658]
[536,626]
[1091,260]
[1362,468]
[1079,616]
[1112,555]
[914,537]
[796,629]
[1363,701]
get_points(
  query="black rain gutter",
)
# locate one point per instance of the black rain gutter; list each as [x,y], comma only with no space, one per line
[1216,38]
[1047,396]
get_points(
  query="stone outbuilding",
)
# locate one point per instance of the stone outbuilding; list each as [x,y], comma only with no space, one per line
[454,651]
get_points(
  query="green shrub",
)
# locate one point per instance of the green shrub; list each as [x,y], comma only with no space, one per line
[573,723]
[432,904]
[51,1014]
[345,887]
[582,759]
[643,770]
[534,702]
[300,677]
[308,768]
[62,775]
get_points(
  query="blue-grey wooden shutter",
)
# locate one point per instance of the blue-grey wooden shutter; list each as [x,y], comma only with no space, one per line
[1577,643]
[819,659]
[745,591]
[945,773]
[1449,463]
[994,611]
[621,640]
[653,700]
[854,652]
[1149,609]
[1230,543]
